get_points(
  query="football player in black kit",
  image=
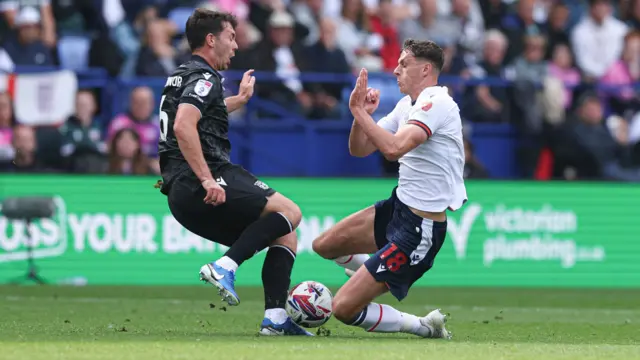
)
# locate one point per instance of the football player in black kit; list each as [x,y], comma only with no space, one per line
[209,195]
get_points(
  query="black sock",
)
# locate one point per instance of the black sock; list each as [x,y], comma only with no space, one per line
[258,236]
[276,276]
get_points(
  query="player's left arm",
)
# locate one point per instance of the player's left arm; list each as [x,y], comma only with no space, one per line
[392,146]
[244,94]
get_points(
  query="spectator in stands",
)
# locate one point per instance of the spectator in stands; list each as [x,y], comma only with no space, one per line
[473,168]
[11,10]
[530,66]
[286,58]
[424,26]
[493,11]
[260,12]
[309,13]
[633,14]
[140,117]
[76,16]
[598,40]
[27,46]
[384,24]
[25,145]
[517,25]
[463,26]
[561,67]
[7,121]
[326,57]
[595,144]
[357,42]
[489,103]
[624,73]
[557,27]
[126,156]
[527,72]
[157,55]
[82,138]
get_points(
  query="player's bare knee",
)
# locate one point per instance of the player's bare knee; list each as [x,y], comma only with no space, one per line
[321,245]
[294,214]
[286,207]
[326,245]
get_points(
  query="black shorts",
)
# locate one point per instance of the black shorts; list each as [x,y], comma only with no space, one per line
[407,243]
[246,197]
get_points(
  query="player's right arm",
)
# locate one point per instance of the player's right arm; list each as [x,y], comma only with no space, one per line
[186,129]
[197,94]
[359,143]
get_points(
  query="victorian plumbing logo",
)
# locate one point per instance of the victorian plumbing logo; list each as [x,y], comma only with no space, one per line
[517,234]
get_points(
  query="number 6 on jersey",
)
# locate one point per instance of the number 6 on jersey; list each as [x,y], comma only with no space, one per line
[164,121]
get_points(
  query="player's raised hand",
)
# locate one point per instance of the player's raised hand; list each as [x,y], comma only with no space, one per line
[215,193]
[359,93]
[246,85]
[372,100]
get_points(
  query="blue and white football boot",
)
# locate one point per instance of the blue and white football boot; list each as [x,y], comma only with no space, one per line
[223,280]
[288,328]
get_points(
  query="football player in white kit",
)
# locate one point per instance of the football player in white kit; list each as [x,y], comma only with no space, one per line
[405,231]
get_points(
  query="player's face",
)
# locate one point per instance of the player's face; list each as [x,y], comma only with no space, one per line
[225,47]
[409,71]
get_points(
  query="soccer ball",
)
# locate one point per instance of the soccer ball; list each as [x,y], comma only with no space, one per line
[309,304]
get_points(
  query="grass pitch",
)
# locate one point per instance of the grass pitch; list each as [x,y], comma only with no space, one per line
[191,323]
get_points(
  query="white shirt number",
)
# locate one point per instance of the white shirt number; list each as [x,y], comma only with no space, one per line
[164,121]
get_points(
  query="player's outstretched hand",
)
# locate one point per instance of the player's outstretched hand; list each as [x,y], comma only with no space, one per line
[215,193]
[246,85]
[359,93]
[372,100]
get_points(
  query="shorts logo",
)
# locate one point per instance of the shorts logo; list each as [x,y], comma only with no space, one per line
[221,181]
[261,185]
[203,87]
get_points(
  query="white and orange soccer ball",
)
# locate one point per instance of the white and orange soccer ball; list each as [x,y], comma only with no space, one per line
[309,304]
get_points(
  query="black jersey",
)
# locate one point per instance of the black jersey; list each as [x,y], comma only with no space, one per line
[195,83]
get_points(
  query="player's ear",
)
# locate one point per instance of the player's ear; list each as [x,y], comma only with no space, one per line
[427,68]
[210,39]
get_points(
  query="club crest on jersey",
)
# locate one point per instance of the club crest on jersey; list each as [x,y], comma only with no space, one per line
[427,105]
[203,87]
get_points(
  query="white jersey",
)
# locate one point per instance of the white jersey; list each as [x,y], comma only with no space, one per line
[430,176]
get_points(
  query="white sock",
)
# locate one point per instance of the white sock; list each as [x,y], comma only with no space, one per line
[277,316]
[384,318]
[226,263]
[352,262]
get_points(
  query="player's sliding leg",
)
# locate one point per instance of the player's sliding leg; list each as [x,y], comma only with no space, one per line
[349,241]
[276,279]
[280,217]
[353,306]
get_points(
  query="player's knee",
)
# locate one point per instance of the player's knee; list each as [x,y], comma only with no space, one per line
[323,245]
[343,310]
[287,208]
[294,214]
[319,245]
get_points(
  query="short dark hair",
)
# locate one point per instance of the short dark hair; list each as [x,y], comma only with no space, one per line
[204,22]
[426,50]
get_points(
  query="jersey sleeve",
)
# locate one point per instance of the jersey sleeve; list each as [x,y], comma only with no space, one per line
[201,90]
[390,122]
[429,114]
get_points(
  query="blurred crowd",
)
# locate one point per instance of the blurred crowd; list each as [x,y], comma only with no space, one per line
[564,73]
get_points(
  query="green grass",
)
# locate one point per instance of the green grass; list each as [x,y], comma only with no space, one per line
[179,323]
